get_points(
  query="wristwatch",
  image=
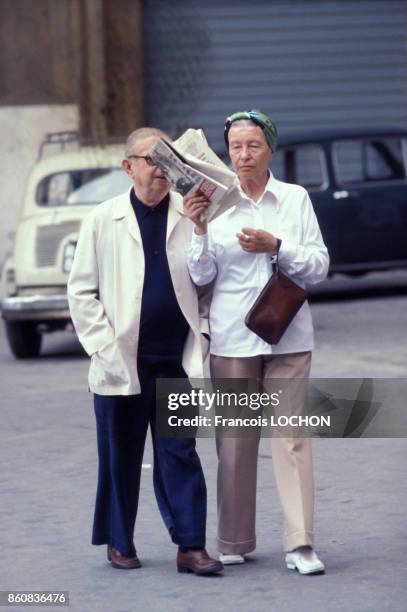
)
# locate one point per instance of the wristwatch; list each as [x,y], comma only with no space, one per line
[274,257]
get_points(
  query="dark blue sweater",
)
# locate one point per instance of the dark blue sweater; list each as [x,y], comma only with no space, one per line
[163,328]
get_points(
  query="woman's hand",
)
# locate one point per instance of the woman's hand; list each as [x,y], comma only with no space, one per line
[195,205]
[257,241]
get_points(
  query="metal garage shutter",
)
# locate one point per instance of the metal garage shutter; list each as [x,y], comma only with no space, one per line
[309,64]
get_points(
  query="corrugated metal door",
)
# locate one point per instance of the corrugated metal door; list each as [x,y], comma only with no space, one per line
[309,64]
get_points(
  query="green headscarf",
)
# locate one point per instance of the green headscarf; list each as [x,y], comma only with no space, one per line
[258,118]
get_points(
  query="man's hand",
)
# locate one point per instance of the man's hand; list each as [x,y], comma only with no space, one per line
[194,205]
[257,241]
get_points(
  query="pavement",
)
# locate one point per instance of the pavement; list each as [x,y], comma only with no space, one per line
[48,478]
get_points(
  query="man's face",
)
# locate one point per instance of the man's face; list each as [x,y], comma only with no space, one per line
[146,179]
[249,151]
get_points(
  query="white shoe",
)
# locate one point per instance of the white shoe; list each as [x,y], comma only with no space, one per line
[231,559]
[305,560]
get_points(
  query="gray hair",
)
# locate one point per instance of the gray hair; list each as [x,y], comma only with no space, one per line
[141,134]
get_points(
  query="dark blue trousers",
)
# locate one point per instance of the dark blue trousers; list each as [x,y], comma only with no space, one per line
[179,484]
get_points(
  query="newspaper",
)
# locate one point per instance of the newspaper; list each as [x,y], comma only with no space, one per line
[190,164]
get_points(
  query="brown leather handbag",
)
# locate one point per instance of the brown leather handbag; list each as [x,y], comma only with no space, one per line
[276,306]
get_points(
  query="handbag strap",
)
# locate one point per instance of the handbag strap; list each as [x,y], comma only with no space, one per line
[275,264]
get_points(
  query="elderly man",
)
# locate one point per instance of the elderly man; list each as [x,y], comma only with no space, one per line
[135,311]
[236,252]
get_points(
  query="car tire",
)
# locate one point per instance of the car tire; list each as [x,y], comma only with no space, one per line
[23,339]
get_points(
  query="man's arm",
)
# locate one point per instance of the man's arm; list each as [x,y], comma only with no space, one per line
[88,315]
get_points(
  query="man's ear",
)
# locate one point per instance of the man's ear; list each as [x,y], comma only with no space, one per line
[126,166]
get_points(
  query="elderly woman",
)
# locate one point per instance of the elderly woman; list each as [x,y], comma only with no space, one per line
[236,253]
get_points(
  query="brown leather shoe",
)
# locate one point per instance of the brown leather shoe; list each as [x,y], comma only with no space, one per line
[197,562]
[119,561]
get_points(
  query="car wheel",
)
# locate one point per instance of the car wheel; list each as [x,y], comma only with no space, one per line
[23,339]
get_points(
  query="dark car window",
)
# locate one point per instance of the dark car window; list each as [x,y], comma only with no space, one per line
[301,164]
[377,159]
[85,186]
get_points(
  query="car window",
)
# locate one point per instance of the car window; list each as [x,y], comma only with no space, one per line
[376,159]
[85,186]
[300,164]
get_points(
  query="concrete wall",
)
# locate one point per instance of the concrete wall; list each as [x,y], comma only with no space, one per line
[38,50]
[22,129]
[84,52]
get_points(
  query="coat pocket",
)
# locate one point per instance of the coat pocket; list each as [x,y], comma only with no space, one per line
[107,367]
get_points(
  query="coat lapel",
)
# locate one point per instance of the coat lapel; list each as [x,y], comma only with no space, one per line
[174,212]
[123,212]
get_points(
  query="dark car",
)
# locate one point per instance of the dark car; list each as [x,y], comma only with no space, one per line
[358,185]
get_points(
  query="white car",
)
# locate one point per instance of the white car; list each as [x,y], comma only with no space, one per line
[61,190]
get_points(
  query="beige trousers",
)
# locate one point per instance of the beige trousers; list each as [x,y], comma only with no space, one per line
[237,467]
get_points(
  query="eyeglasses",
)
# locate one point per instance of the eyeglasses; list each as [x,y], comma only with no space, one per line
[146,158]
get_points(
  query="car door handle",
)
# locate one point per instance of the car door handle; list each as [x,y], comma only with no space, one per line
[344,193]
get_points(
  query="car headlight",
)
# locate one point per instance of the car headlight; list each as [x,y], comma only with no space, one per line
[69,252]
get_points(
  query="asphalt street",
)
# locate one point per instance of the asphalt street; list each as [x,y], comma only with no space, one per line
[48,479]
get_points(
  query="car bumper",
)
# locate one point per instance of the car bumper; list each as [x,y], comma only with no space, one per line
[35,308]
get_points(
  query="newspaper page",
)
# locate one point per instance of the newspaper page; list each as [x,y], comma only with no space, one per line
[183,178]
[190,164]
[194,143]
[195,150]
